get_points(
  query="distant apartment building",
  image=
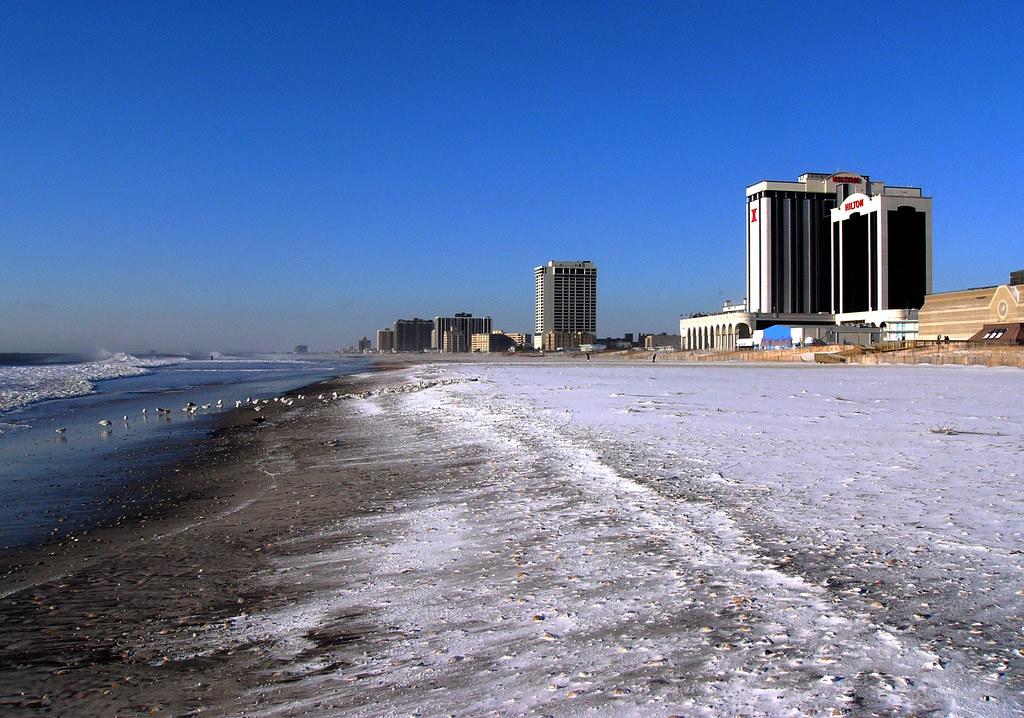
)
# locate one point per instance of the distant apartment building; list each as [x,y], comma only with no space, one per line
[493,342]
[661,341]
[519,339]
[565,302]
[365,345]
[301,349]
[385,340]
[412,335]
[565,341]
[452,334]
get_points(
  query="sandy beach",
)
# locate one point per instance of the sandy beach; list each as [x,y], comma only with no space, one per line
[104,622]
[559,539]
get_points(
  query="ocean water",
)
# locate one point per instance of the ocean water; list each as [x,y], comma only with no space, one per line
[52,484]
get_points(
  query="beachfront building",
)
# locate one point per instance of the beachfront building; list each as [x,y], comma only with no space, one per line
[365,345]
[566,341]
[452,334]
[413,335]
[492,342]
[565,300]
[519,339]
[839,244]
[979,314]
[661,341]
[385,340]
[827,249]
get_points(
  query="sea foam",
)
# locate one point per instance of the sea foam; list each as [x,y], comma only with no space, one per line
[21,385]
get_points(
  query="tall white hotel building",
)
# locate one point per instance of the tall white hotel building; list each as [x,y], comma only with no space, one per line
[827,249]
[565,299]
[840,244]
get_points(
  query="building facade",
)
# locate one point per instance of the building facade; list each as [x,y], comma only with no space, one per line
[519,339]
[661,341]
[365,345]
[385,340]
[412,335]
[837,243]
[963,314]
[554,341]
[828,249]
[565,300]
[452,334]
[494,342]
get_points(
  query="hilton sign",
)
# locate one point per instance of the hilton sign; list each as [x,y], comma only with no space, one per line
[846,178]
[855,204]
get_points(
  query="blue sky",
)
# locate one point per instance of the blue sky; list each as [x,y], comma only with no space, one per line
[251,176]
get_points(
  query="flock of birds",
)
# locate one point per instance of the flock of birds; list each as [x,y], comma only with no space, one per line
[257,405]
[191,408]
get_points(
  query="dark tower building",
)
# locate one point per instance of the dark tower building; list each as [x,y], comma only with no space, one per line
[827,243]
[412,335]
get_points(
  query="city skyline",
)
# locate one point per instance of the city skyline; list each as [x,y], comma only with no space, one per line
[307,174]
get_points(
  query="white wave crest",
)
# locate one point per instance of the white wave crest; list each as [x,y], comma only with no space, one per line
[21,385]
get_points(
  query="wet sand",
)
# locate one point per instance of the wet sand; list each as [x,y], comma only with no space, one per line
[103,622]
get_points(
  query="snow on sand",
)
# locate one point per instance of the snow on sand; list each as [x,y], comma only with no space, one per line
[690,540]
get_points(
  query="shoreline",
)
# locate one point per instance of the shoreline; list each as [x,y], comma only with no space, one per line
[71,605]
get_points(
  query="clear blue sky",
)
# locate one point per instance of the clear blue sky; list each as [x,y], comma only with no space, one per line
[227,176]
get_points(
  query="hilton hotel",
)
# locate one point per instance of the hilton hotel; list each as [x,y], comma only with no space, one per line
[827,249]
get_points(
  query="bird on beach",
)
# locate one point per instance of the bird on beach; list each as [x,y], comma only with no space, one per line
[143,410]
[125,418]
[104,422]
[60,429]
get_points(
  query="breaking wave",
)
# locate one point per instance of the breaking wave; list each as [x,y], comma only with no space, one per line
[21,385]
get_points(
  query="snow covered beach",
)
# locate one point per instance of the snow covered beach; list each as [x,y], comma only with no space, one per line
[703,541]
[560,539]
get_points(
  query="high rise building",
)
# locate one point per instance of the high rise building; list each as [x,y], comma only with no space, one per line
[453,334]
[385,340]
[412,335]
[565,299]
[365,345]
[837,244]
[826,250]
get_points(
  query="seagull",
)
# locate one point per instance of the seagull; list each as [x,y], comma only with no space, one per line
[60,429]
[220,403]
[143,410]
[257,408]
[125,418]
[238,403]
[104,422]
